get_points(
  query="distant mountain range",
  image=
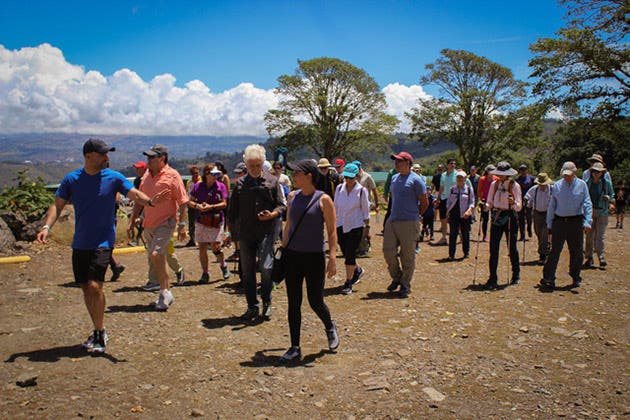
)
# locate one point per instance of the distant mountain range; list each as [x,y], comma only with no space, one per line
[67,148]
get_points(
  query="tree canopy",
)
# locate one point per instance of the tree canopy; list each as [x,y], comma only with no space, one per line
[588,64]
[480,108]
[331,107]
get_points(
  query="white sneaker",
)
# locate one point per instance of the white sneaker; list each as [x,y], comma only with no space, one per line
[164,300]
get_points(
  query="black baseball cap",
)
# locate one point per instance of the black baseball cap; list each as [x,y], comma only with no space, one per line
[156,150]
[96,145]
[308,166]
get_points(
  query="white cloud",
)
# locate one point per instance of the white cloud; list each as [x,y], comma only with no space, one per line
[41,92]
[400,99]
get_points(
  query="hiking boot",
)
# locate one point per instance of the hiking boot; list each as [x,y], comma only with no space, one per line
[547,283]
[181,277]
[225,271]
[100,342]
[404,292]
[250,314]
[333,337]
[89,343]
[602,263]
[347,288]
[516,279]
[294,354]
[266,309]
[393,286]
[466,255]
[588,263]
[417,248]
[542,260]
[151,287]
[356,277]
[117,271]
[164,300]
[205,278]
[576,283]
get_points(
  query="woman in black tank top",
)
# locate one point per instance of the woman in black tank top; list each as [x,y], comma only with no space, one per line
[308,213]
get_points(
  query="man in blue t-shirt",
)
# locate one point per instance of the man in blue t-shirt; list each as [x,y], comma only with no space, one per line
[402,228]
[92,190]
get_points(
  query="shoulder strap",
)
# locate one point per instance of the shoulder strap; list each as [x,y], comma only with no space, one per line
[315,198]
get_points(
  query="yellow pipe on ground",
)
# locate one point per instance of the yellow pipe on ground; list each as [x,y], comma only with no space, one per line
[129,250]
[16,259]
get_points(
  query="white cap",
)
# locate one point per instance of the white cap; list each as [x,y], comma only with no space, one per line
[461,173]
[568,168]
[266,166]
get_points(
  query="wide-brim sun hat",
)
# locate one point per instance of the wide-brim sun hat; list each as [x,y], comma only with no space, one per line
[504,169]
[597,167]
[543,179]
[595,157]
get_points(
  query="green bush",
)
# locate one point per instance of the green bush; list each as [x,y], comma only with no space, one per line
[29,199]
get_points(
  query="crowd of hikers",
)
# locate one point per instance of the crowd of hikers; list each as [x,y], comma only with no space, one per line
[317,210]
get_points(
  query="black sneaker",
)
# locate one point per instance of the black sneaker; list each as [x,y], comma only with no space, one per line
[294,354]
[602,263]
[404,292]
[205,278]
[347,287]
[516,279]
[588,263]
[393,286]
[266,309]
[547,283]
[100,342]
[117,271]
[333,337]
[491,285]
[356,277]
[89,343]
[250,314]
[576,283]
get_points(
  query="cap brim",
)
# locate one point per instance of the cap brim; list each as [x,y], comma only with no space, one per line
[150,153]
[293,166]
[348,175]
[509,172]
[567,172]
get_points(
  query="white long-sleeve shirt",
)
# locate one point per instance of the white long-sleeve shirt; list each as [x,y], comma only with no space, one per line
[352,208]
[498,196]
[538,199]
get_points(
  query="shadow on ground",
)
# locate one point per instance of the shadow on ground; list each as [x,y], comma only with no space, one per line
[55,354]
[261,359]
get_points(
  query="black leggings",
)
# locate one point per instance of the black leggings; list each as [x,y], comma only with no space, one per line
[312,266]
[349,243]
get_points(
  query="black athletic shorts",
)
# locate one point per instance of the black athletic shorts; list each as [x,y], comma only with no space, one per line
[90,264]
[443,214]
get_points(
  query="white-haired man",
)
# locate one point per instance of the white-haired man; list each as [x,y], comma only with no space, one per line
[256,202]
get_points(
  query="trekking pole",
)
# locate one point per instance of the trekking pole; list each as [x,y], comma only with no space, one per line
[524,249]
[509,234]
[477,253]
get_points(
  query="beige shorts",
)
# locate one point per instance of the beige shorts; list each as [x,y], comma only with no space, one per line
[207,235]
[158,238]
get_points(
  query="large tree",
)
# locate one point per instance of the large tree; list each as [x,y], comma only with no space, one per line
[588,63]
[332,108]
[480,108]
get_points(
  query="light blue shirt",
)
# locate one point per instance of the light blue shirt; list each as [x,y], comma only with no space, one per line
[405,192]
[570,199]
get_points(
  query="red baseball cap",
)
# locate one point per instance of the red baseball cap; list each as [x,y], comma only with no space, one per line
[339,163]
[402,156]
[140,164]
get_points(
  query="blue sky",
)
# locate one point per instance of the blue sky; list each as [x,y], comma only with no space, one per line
[226,43]
[223,43]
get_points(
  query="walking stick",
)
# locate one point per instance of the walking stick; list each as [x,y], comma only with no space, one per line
[477,253]
[509,234]
[524,249]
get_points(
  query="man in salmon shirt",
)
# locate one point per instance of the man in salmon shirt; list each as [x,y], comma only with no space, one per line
[160,219]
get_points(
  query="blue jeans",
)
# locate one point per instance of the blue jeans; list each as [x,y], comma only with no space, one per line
[261,249]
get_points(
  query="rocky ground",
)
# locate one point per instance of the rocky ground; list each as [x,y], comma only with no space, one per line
[449,351]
